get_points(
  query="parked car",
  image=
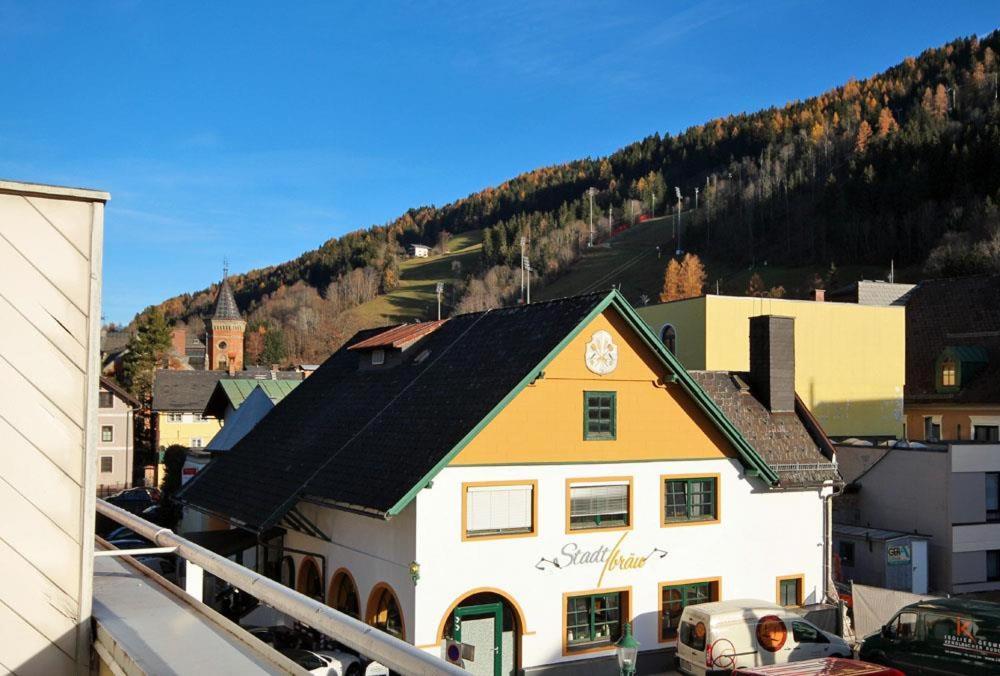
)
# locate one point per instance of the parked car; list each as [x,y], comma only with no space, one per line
[333,663]
[715,638]
[135,500]
[828,666]
[941,636]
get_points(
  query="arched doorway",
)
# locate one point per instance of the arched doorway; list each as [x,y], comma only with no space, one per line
[343,594]
[488,619]
[384,611]
[310,581]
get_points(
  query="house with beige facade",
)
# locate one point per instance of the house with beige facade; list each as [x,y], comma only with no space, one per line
[116,435]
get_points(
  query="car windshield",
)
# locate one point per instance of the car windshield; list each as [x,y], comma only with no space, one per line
[304,659]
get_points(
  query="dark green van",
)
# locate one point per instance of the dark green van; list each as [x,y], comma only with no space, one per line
[946,636]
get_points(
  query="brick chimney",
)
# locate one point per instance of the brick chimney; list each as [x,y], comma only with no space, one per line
[178,340]
[820,295]
[772,362]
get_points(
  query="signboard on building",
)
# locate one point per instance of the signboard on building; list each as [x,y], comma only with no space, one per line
[898,555]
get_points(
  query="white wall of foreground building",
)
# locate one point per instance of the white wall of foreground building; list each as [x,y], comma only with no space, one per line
[372,550]
[761,535]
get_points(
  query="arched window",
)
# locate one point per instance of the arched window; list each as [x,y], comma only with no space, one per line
[344,594]
[668,336]
[384,612]
[310,582]
[287,573]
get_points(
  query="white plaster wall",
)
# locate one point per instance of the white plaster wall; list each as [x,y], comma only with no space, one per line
[975,458]
[762,535]
[373,550]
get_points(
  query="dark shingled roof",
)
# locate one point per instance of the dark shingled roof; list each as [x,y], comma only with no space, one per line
[791,443]
[189,391]
[365,438]
[225,303]
[962,312]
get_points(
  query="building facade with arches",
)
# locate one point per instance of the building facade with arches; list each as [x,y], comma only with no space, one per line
[526,481]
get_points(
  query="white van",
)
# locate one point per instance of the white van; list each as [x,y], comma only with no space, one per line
[715,638]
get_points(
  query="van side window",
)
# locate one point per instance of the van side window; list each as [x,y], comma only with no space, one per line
[939,627]
[904,626]
[806,633]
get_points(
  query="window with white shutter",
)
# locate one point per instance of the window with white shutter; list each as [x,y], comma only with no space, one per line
[499,509]
[602,504]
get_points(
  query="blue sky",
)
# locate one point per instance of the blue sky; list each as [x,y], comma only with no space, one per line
[257,130]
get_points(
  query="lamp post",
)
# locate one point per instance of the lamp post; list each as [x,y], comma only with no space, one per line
[627,650]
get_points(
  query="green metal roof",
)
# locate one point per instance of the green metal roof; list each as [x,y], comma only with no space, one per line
[238,389]
[234,391]
[968,353]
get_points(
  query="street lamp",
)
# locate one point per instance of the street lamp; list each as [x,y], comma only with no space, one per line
[627,650]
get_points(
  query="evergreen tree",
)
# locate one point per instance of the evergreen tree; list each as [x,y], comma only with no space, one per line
[147,350]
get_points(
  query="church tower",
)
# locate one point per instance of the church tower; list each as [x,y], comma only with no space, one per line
[225,331]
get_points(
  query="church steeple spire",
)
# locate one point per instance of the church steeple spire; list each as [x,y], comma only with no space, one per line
[226,328]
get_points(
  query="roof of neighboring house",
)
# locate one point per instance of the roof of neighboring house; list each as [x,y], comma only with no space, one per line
[866,533]
[347,435]
[871,292]
[234,391]
[956,313]
[114,341]
[252,410]
[225,303]
[398,336]
[420,246]
[189,391]
[791,443]
[119,392]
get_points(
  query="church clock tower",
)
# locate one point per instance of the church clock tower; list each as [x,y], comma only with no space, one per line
[225,332]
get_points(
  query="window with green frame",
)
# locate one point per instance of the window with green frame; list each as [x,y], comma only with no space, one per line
[677,597]
[594,619]
[694,499]
[790,592]
[599,415]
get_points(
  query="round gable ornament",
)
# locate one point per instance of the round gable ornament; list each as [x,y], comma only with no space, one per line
[602,354]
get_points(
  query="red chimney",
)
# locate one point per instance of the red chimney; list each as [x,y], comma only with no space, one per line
[178,340]
[820,295]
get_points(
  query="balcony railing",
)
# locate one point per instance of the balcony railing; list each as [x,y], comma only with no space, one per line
[374,644]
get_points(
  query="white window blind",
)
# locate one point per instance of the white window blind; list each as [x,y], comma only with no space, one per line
[498,509]
[603,505]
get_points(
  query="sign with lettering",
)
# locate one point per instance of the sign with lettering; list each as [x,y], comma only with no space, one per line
[607,558]
[898,555]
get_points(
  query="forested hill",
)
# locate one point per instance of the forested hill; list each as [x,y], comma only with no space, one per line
[902,166]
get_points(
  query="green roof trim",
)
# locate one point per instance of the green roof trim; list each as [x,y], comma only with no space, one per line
[748,455]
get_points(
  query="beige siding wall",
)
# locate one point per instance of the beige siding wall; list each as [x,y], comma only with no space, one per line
[50,272]
[119,419]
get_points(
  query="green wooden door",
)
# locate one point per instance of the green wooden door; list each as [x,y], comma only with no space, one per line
[489,610]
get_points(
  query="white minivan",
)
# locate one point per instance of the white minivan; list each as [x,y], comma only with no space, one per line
[715,638]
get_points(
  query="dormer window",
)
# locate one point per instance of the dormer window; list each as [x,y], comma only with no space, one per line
[948,374]
[378,357]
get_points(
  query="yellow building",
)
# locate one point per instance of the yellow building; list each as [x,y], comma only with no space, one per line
[850,360]
[187,429]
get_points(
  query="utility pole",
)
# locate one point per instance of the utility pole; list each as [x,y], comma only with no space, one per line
[439,290]
[590,191]
[679,204]
[523,242]
[696,199]
[611,223]
[652,204]
[527,269]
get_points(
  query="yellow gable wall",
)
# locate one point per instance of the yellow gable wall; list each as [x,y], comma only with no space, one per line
[544,422]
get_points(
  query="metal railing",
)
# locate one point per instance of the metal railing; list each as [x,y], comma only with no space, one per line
[373,643]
